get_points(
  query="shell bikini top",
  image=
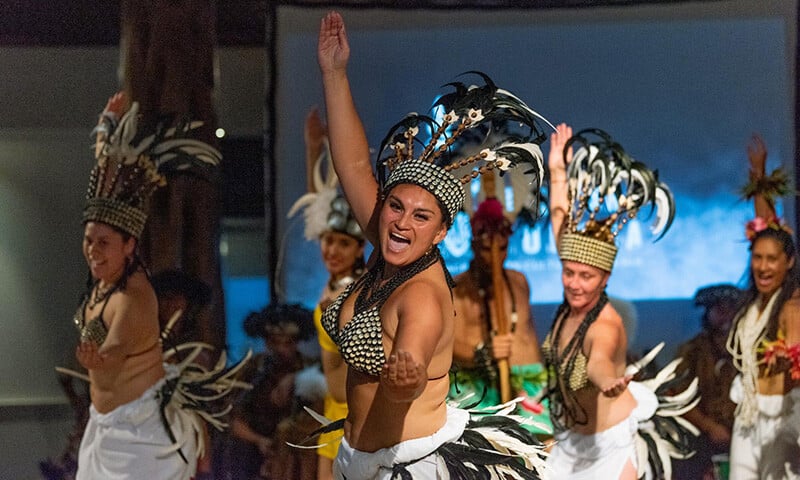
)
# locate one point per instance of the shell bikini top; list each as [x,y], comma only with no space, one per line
[94,330]
[361,340]
[579,379]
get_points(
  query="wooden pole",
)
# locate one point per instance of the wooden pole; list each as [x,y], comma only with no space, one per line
[499,318]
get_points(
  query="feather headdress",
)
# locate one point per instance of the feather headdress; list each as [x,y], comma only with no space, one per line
[606,188]
[129,170]
[324,208]
[469,140]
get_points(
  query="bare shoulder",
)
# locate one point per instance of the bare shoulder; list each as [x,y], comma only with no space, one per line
[517,279]
[608,324]
[424,290]
[138,294]
[790,312]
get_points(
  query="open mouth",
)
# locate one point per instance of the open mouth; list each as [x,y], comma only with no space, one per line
[398,242]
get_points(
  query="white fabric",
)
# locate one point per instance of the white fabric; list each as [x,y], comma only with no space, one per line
[354,464]
[602,455]
[768,449]
[130,442]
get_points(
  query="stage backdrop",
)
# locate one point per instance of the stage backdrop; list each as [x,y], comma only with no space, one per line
[682,87]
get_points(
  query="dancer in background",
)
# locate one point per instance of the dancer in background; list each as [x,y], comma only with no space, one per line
[145,415]
[478,347]
[329,220]
[765,339]
[604,422]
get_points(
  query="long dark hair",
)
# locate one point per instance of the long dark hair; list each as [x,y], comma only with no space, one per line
[788,287]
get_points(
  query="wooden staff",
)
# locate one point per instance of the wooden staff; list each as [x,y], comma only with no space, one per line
[499,319]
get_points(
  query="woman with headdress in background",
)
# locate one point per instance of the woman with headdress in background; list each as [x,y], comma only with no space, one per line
[394,326]
[597,412]
[765,339]
[329,220]
[145,420]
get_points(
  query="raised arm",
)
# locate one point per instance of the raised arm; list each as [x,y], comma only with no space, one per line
[349,146]
[314,133]
[757,157]
[557,164]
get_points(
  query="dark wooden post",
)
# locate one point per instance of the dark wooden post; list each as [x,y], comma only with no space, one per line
[168,67]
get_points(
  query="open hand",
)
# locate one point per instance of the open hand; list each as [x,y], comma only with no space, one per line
[615,387]
[89,356]
[556,159]
[333,50]
[402,377]
[757,156]
[117,104]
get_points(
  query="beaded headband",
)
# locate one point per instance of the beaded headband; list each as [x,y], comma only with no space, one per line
[128,171]
[485,113]
[324,208]
[606,188]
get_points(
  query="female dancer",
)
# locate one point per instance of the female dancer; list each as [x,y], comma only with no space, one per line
[394,326]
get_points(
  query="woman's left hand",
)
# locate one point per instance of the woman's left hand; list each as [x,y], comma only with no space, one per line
[89,356]
[402,377]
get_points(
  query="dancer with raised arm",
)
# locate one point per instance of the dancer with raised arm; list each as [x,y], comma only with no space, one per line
[394,326]
[606,425]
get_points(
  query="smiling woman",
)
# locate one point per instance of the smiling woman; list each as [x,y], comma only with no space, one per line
[765,436]
[394,326]
[601,417]
[138,426]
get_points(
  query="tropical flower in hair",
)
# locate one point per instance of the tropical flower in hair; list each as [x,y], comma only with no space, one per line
[759,224]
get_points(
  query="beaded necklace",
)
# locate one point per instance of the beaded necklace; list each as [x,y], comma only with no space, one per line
[373,293]
[565,410]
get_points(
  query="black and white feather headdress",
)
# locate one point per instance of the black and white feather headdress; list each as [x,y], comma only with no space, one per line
[129,169]
[606,188]
[469,140]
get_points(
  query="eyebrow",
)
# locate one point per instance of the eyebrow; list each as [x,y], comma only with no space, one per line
[419,210]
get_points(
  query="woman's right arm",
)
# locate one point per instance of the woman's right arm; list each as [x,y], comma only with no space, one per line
[348,141]
[757,158]
[558,178]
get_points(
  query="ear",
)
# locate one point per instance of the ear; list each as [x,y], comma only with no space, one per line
[606,276]
[440,234]
[130,246]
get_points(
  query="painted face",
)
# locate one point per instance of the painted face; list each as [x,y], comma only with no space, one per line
[769,265]
[340,252]
[106,251]
[410,223]
[583,284]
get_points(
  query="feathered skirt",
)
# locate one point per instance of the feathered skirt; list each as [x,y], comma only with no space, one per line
[486,446]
